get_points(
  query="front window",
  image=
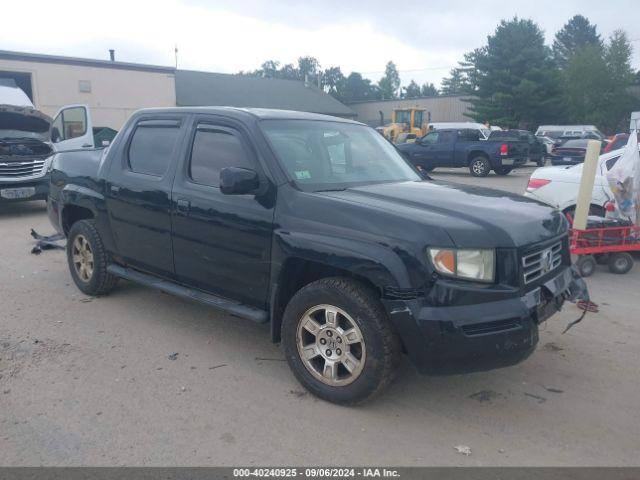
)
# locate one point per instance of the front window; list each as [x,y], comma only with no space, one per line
[320,155]
[403,116]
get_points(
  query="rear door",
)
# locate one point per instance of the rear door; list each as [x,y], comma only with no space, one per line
[138,192]
[72,128]
[222,243]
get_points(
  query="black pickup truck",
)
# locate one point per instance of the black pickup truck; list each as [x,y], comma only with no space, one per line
[318,226]
[463,148]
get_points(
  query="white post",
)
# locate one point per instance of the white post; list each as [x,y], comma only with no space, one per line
[586,185]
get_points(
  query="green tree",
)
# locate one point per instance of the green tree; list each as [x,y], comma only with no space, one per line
[514,82]
[390,82]
[453,84]
[429,90]
[308,68]
[587,88]
[334,82]
[618,57]
[576,34]
[358,88]
[411,91]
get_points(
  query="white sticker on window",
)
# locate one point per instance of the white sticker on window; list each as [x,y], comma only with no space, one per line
[303,174]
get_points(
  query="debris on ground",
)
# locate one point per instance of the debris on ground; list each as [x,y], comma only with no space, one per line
[463,450]
[553,390]
[298,393]
[552,347]
[485,396]
[537,397]
[218,366]
[173,356]
[585,306]
[46,242]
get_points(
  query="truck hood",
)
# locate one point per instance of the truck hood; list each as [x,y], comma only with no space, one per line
[23,121]
[473,217]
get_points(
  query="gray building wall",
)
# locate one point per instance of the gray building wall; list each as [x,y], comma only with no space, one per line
[438,109]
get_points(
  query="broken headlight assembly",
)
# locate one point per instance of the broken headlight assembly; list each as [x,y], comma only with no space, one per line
[467,264]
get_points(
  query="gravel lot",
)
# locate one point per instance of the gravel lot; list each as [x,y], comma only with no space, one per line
[88,382]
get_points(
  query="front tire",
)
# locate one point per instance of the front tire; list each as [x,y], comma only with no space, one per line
[88,259]
[479,166]
[339,342]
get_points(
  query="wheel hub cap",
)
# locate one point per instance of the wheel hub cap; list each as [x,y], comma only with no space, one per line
[331,345]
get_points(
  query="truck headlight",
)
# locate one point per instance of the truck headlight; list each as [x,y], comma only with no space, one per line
[468,264]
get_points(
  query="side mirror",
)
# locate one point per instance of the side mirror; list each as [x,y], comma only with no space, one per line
[238,181]
[55,135]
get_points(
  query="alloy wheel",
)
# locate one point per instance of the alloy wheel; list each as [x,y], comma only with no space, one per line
[82,257]
[331,345]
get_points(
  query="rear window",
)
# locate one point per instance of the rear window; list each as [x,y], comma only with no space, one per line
[575,144]
[152,145]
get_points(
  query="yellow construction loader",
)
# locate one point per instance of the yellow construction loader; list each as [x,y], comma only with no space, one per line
[406,125]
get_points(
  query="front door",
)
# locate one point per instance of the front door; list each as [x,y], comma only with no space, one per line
[138,193]
[222,243]
[72,129]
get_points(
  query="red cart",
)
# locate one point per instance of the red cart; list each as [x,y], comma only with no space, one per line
[608,245]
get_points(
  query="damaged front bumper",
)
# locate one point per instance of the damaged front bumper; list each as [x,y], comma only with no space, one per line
[484,336]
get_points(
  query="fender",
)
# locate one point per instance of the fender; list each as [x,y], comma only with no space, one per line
[376,263]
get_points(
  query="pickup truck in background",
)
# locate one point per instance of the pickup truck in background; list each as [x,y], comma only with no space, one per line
[28,140]
[538,151]
[319,227]
[464,148]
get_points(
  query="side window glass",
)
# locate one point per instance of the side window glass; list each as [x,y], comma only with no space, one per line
[611,162]
[74,122]
[430,138]
[446,137]
[152,145]
[214,150]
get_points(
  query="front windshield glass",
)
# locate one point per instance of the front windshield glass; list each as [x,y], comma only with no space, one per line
[319,155]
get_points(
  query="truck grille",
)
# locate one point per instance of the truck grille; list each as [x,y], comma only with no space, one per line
[541,262]
[26,168]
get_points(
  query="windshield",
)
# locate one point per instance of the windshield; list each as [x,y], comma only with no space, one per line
[321,155]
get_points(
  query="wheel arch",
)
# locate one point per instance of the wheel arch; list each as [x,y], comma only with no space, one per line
[476,153]
[300,263]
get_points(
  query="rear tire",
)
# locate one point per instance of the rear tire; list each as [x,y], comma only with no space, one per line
[586,265]
[479,166]
[88,259]
[620,263]
[339,342]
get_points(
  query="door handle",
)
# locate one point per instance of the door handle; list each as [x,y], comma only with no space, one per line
[115,190]
[87,145]
[183,205]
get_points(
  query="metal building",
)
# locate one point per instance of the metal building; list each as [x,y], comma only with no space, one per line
[445,108]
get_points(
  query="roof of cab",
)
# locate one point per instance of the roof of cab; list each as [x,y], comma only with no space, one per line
[258,113]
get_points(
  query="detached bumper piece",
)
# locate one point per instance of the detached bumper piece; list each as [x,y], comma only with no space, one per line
[468,338]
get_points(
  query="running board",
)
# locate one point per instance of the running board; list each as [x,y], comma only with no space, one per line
[228,306]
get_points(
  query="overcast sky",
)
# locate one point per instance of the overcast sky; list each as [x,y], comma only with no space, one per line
[424,38]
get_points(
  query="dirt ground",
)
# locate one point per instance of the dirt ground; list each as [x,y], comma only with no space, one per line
[90,382]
